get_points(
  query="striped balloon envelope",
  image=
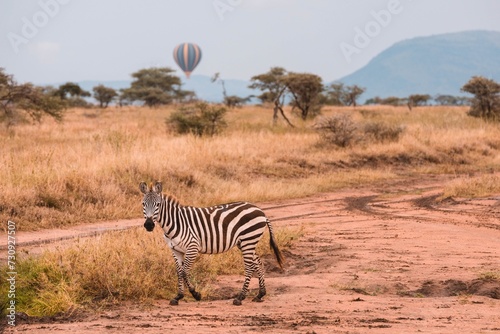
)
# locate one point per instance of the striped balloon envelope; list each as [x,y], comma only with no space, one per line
[187,56]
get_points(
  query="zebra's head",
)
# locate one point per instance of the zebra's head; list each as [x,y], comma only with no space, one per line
[151,203]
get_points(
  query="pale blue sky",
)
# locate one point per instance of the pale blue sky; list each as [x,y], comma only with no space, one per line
[46,41]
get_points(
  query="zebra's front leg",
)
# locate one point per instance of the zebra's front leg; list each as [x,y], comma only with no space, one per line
[178,257]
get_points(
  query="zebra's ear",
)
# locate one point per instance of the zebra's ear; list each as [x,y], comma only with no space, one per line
[157,188]
[144,187]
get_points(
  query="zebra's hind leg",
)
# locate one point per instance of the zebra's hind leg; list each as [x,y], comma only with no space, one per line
[189,258]
[248,258]
[262,285]
[196,295]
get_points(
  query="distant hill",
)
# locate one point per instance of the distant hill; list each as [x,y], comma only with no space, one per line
[439,64]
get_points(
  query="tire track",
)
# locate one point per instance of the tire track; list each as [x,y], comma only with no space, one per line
[92,230]
[421,208]
[414,207]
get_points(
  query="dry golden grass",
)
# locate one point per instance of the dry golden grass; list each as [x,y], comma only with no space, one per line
[88,168]
[472,187]
[127,265]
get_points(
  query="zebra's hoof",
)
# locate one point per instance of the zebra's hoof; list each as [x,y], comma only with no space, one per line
[196,295]
[237,302]
[257,299]
[174,302]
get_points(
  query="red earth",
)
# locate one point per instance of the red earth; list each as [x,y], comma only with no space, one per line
[393,259]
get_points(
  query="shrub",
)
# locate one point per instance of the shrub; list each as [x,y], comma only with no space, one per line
[200,119]
[339,130]
[382,132]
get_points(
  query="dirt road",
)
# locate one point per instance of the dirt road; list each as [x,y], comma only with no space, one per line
[390,260]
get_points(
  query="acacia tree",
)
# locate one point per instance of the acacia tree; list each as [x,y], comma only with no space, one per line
[305,89]
[416,100]
[486,100]
[353,93]
[73,95]
[18,99]
[153,86]
[71,89]
[340,94]
[335,94]
[104,95]
[270,83]
[273,89]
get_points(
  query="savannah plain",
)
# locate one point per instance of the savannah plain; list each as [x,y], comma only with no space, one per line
[391,234]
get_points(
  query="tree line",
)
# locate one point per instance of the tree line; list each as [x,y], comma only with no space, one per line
[152,87]
[416,100]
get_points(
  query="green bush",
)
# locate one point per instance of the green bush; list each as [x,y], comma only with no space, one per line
[200,119]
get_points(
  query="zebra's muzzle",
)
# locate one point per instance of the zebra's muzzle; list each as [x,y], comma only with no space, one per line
[149,225]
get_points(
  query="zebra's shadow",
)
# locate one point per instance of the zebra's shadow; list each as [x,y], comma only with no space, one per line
[228,293]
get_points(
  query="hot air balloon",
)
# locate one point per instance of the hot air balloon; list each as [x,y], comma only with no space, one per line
[187,56]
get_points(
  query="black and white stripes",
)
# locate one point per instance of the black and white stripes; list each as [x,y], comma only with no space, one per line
[189,231]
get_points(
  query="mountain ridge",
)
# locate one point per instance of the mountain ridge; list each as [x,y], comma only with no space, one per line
[436,64]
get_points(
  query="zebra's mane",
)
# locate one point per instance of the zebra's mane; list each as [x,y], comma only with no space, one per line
[172,198]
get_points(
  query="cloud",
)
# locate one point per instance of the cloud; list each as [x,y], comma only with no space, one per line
[46,52]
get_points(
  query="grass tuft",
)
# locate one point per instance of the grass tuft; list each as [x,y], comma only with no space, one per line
[473,187]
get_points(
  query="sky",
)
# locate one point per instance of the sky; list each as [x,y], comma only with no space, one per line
[55,41]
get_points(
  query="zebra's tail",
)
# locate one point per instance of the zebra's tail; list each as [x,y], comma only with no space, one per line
[274,245]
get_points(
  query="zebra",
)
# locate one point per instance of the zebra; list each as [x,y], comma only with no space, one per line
[190,230]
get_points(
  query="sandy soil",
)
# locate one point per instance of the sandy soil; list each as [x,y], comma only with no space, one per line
[391,260]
